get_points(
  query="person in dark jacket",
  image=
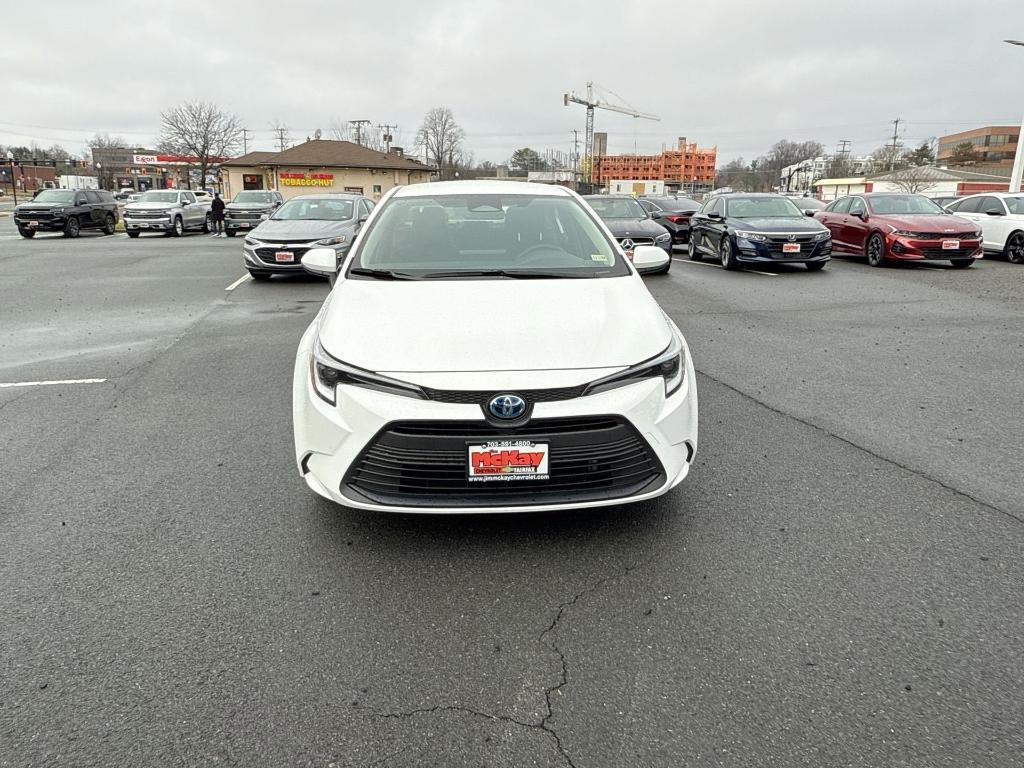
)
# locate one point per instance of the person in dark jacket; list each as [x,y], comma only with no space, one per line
[217,212]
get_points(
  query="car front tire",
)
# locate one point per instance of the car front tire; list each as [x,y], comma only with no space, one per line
[1014,250]
[178,229]
[72,228]
[875,250]
[727,254]
[108,224]
[27,233]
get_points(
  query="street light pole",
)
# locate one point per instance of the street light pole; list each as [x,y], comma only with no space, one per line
[1018,158]
[14,186]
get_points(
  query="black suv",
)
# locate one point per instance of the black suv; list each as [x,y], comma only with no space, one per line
[68,211]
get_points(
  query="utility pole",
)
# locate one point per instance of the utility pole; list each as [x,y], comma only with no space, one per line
[895,139]
[282,136]
[358,126]
[844,149]
[387,135]
[245,141]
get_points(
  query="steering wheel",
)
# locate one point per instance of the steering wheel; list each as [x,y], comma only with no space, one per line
[527,259]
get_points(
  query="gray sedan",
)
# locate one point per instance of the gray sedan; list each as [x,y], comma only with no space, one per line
[278,244]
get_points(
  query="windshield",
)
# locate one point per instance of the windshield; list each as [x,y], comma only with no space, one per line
[315,209]
[617,207]
[897,204]
[1015,204]
[254,197]
[159,197]
[55,196]
[761,208]
[450,236]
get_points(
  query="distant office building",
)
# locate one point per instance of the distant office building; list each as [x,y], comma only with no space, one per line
[993,144]
[687,165]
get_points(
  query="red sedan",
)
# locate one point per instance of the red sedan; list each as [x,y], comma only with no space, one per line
[887,227]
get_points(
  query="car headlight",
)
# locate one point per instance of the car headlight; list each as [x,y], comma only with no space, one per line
[822,236]
[902,232]
[751,236]
[56,211]
[663,238]
[979,235]
[250,241]
[331,240]
[669,365]
[327,373]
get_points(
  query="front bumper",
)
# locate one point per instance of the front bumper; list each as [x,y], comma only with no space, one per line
[756,252]
[900,248]
[329,440]
[54,224]
[158,225]
[258,262]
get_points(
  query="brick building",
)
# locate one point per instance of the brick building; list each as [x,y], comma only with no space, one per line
[994,144]
[686,165]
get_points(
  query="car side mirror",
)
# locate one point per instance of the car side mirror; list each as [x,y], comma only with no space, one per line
[809,212]
[645,256]
[321,261]
[263,217]
[361,221]
[860,215]
[715,215]
[657,214]
[994,212]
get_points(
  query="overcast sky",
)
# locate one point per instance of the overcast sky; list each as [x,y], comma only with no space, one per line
[739,74]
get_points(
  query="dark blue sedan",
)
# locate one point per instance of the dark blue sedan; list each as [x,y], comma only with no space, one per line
[748,229]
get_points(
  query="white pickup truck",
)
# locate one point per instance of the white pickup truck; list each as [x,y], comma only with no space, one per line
[171,211]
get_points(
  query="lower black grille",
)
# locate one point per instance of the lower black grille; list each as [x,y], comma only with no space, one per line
[808,249]
[941,253]
[267,255]
[472,397]
[424,464]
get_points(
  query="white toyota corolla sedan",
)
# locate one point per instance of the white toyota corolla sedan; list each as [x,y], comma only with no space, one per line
[488,348]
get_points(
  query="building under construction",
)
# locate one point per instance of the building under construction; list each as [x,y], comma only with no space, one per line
[687,166]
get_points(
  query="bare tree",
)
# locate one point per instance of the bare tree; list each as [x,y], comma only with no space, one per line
[340,129]
[201,130]
[106,141]
[441,138]
[909,180]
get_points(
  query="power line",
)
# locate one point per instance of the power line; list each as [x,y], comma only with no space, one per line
[387,135]
[358,127]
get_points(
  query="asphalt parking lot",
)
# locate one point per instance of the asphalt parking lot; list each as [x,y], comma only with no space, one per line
[838,583]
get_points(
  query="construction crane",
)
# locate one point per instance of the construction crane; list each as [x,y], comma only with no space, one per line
[591,104]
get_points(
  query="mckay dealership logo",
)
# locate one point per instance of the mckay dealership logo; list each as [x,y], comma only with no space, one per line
[508,460]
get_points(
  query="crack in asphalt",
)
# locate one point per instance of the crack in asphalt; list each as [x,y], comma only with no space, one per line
[547,637]
[916,472]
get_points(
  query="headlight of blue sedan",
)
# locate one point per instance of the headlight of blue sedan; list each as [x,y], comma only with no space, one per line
[756,236]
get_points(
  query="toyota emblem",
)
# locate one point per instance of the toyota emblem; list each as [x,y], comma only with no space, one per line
[507,406]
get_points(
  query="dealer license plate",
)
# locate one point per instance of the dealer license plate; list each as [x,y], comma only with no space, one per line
[950,245]
[33,224]
[284,256]
[507,460]
[791,247]
[244,225]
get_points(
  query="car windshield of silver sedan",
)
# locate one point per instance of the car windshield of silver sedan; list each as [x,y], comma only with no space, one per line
[761,208]
[485,237]
[617,208]
[317,209]
[159,197]
[903,204]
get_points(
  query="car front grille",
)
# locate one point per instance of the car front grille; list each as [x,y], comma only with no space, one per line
[146,214]
[471,397]
[266,254]
[940,237]
[941,253]
[637,240]
[424,464]
[245,215]
[35,215]
[808,246]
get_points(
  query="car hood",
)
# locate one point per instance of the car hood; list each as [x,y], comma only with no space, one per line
[248,206]
[492,325]
[938,223]
[781,224]
[149,206]
[302,230]
[634,227]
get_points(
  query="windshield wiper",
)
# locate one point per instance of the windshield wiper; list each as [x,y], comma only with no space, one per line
[381,274]
[516,274]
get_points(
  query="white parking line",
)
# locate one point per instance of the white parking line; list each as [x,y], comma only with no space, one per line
[719,266]
[5,385]
[238,282]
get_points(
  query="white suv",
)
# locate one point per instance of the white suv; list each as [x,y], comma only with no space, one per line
[1001,218]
